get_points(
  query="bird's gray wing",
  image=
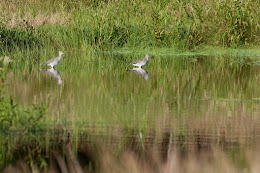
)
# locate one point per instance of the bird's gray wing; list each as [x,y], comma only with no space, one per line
[137,61]
[49,61]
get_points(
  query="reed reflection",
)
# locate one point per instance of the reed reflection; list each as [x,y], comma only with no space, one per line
[141,72]
[54,73]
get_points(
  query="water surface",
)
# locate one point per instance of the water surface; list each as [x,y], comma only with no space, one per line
[190,99]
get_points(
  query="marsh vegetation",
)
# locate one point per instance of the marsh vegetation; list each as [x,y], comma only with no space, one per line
[198,111]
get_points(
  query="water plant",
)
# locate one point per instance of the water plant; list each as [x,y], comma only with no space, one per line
[18,124]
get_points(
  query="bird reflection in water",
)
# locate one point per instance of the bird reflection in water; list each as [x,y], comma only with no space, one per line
[54,73]
[140,72]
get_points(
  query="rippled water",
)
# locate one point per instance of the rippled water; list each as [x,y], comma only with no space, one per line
[180,99]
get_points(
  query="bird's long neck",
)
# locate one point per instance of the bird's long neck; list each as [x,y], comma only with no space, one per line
[59,57]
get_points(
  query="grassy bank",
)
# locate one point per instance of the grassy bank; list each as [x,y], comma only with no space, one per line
[109,25]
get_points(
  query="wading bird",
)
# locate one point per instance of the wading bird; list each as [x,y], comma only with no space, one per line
[53,62]
[140,62]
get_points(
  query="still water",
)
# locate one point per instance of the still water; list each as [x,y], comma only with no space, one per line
[210,100]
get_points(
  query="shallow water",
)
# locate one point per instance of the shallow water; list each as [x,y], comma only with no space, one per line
[196,99]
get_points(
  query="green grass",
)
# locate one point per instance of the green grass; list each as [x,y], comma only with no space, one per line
[101,25]
[193,86]
[19,124]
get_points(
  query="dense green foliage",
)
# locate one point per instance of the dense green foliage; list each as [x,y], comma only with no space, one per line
[129,24]
[18,124]
[20,37]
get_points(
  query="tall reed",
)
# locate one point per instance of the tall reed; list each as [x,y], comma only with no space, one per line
[122,24]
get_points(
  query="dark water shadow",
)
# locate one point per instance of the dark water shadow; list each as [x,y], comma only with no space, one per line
[54,73]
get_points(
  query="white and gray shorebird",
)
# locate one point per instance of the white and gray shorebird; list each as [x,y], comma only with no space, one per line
[53,62]
[140,62]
